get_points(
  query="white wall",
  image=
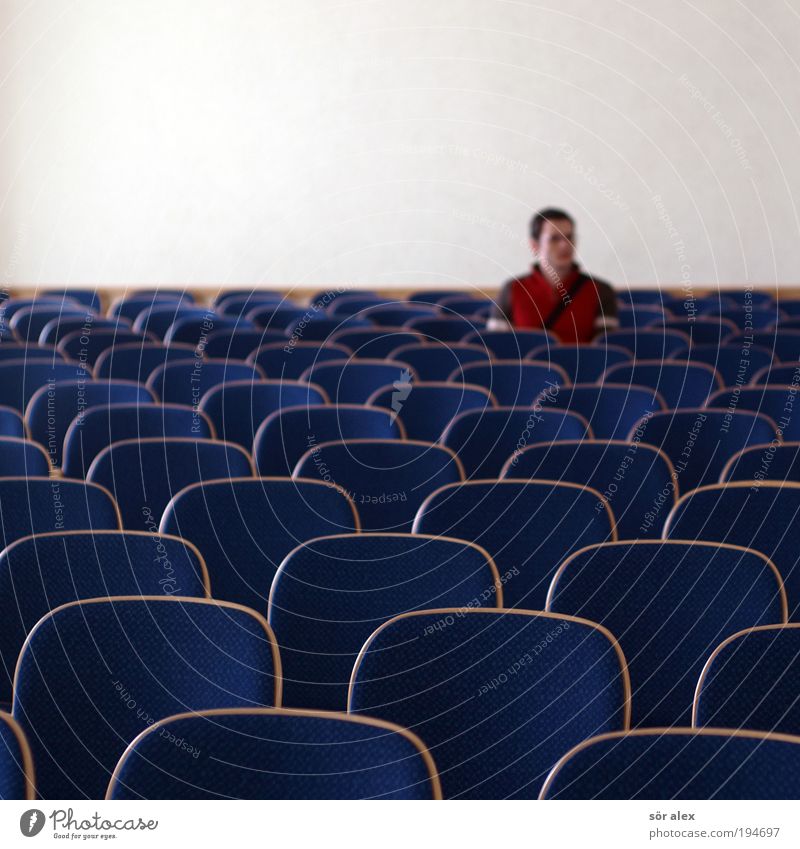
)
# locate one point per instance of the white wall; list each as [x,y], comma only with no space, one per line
[396,141]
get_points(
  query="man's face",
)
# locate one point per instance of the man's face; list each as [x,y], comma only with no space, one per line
[555,246]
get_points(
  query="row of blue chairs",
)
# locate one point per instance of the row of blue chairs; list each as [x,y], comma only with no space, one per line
[95,688]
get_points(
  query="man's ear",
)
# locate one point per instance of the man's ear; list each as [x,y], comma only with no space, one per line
[534,247]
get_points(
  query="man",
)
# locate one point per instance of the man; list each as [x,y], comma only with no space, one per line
[557,294]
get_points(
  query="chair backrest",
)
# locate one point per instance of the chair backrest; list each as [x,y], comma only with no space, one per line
[387,479]
[700,442]
[287,434]
[130,306]
[498,696]
[195,330]
[21,379]
[777,402]
[511,344]
[451,329]
[778,375]
[323,756]
[437,362]
[42,505]
[58,329]
[375,343]
[246,527]
[40,573]
[318,328]
[750,681]
[680,383]
[398,314]
[53,408]
[239,342]
[17,779]
[426,409]
[239,303]
[354,381]
[137,360]
[274,317]
[94,674]
[611,409]
[21,457]
[485,439]
[185,382]
[102,425]
[706,330]
[331,593]
[87,297]
[760,515]
[772,462]
[86,349]
[733,367]
[144,474]
[11,423]
[784,344]
[646,344]
[12,350]
[514,383]
[528,527]
[630,476]
[283,361]
[238,408]
[581,363]
[159,318]
[669,604]
[639,316]
[468,307]
[28,323]
[679,763]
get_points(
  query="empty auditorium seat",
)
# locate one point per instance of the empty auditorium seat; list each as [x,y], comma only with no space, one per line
[286,435]
[469,307]
[21,379]
[426,409]
[42,505]
[16,762]
[775,462]
[611,409]
[448,329]
[144,474]
[331,593]
[387,479]
[669,604]
[779,375]
[629,476]
[40,573]
[185,382]
[437,361]
[11,423]
[130,306]
[356,304]
[159,318]
[13,350]
[528,527]
[639,316]
[137,360]
[646,344]
[679,763]
[195,330]
[398,314]
[58,329]
[703,330]
[87,348]
[240,303]
[511,344]
[319,328]
[244,528]
[238,343]
[22,458]
[104,424]
[513,383]
[53,408]
[27,324]
[581,363]
[729,361]
[760,515]
[700,442]
[87,297]
[237,408]
[679,383]
[375,343]
[284,361]
[784,344]
[95,674]
[353,381]
[775,402]
[311,755]
[282,317]
[485,439]
[751,681]
[498,696]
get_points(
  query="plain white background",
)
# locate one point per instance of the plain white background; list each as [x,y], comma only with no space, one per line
[396,142]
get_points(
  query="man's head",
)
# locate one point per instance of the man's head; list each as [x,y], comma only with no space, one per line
[553,239]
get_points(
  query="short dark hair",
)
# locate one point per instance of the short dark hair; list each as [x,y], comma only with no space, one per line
[549,214]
